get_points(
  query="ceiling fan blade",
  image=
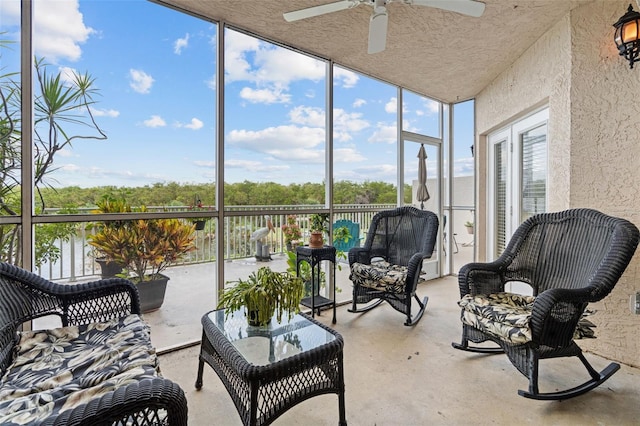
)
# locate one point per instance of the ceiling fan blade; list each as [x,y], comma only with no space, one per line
[465,7]
[310,12]
[378,30]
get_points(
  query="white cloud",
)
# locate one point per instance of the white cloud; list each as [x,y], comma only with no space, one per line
[68,75]
[347,155]
[155,121]
[211,83]
[70,167]
[10,12]
[307,116]
[254,166]
[141,82]
[344,123]
[271,68]
[359,102]
[105,112]
[265,96]
[384,134]
[202,163]
[286,143]
[347,123]
[349,79]
[433,107]
[65,152]
[430,106]
[463,167]
[194,124]
[180,44]
[59,29]
[392,106]
[377,170]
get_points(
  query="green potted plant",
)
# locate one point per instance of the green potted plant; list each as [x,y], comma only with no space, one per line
[318,225]
[469,226]
[109,204]
[291,232]
[341,235]
[262,293]
[199,222]
[146,248]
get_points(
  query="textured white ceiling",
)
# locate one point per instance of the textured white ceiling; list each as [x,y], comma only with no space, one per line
[441,54]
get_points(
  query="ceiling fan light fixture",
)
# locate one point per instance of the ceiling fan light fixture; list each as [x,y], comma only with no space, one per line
[378,30]
[379,19]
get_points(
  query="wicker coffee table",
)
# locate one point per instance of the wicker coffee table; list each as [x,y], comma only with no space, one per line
[269,369]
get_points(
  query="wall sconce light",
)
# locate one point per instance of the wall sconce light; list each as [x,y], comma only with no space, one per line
[627,36]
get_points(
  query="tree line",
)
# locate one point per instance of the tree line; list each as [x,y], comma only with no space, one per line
[236,194]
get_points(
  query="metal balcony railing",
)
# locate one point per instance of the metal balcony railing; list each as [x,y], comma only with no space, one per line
[77,260]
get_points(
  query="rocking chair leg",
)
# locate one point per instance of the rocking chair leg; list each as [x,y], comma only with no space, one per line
[423,305]
[366,308]
[597,378]
[464,346]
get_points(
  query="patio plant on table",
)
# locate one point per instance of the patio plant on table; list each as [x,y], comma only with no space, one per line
[262,293]
[146,247]
[319,226]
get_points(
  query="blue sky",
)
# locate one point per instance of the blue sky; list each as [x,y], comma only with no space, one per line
[155,69]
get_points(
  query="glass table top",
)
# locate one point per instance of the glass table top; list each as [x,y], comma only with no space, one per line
[268,344]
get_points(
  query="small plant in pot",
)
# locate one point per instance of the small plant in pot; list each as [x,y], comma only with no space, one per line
[319,226]
[291,232]
[199,222]
[146,248]
[469,226]
[262,293]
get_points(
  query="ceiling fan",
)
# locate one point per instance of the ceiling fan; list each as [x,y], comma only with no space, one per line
[379,18]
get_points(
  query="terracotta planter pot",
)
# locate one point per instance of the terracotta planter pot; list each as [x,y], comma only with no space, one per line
[316,239]
[152,293]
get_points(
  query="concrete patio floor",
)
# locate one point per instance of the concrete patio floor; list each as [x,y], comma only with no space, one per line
[398,375]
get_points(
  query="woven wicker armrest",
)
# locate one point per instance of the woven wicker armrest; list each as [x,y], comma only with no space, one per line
[414,268]
[555,314]
[156,401]
[481,278]
[360,255]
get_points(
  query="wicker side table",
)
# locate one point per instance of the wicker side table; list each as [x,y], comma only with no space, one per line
[269,369]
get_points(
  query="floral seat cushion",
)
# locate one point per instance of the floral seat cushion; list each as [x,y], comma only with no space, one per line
[59,369]
[380,275]
[504,315]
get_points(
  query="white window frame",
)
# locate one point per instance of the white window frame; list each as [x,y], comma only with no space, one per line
[510,135]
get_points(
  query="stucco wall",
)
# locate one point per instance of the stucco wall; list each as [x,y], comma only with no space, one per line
[541,76]
[594,134]
[605,157]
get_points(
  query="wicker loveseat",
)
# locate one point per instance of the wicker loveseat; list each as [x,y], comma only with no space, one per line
[98,368]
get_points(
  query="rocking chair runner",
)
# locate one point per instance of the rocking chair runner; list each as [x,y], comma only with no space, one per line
[389,265]
[570,259]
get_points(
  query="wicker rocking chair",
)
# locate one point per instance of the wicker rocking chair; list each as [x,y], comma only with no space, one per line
[570,259]
[389,265]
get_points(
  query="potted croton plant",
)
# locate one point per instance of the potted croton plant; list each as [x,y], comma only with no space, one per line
[146,247]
